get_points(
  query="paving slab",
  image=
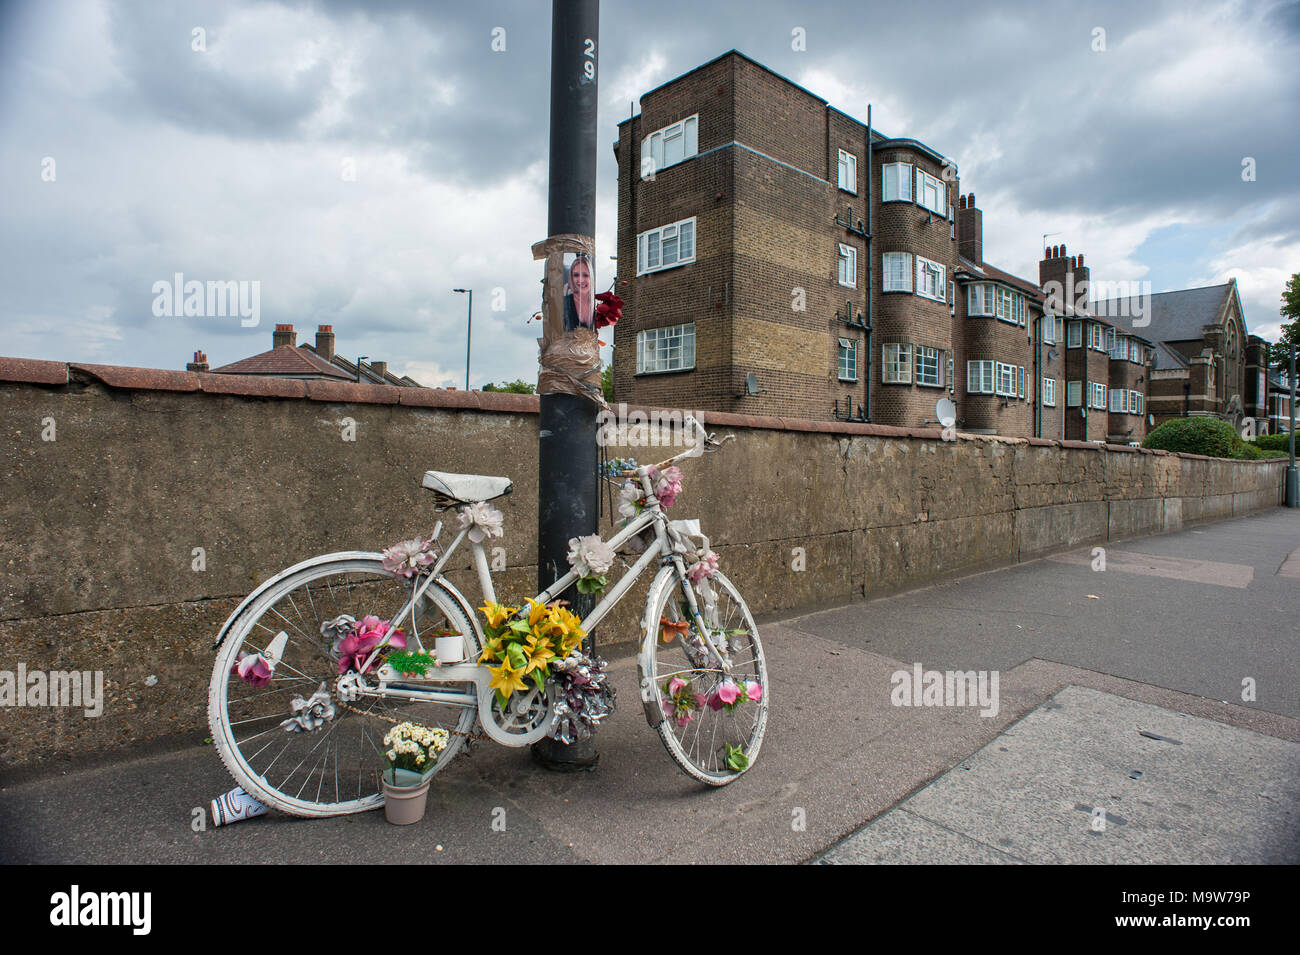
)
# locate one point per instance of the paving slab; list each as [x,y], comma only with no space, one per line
[1093,778]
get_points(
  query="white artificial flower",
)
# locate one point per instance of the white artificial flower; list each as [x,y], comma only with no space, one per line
[590,556]
[483,521]
[628,496]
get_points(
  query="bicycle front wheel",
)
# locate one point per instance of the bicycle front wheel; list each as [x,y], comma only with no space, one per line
[333,767]
[713,720]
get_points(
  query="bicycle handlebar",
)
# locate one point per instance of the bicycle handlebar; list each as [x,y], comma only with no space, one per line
[703,442]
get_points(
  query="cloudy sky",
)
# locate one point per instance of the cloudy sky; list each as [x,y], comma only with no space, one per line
[129,155]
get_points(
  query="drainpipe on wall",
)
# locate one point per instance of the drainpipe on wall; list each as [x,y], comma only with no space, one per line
[1038,379]
[870,176]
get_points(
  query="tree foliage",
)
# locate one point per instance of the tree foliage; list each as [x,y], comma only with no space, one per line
[516,387]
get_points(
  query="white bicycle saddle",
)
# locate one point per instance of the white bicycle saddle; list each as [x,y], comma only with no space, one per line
[467,488]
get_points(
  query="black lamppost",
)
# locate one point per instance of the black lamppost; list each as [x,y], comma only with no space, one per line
[469,329]
[567,450]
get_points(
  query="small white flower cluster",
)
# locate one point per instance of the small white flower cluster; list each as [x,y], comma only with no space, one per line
[412,739]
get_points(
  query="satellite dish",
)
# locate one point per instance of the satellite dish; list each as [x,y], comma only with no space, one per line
[751,384]
[1151,419]
[945,412]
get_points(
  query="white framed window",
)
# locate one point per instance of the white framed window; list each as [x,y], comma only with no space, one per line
[1047,327]
[1006,381]
[1115,345]
[848,172]
[1134,351]
[952,297]
[897,269]
[897,186]
[929,279]
[1074,332]
[848,266]
[847,361]
[896,364]
[1097,390]
[931,193]
[1118,401]
[1049,392]
[979,377]
[670,145]
[1096,337]
[668,246]
[980,299]
[665,349]
[1021,310]
[1059,322]
[929,366]
[1073,394]
[1005,301]
[1137,402]
[1020,380]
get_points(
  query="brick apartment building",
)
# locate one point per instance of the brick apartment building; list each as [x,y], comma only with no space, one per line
[763,233]
[1267,396]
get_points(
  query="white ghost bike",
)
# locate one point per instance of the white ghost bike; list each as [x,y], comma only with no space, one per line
[694,640]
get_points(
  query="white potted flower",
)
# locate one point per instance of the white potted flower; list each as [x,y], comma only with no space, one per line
[412,754]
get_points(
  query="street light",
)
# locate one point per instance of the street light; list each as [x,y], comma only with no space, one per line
[469,329]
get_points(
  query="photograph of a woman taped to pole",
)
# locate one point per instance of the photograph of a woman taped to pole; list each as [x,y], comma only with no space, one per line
[579,297]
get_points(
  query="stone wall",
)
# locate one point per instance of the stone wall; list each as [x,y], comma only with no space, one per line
[99,526]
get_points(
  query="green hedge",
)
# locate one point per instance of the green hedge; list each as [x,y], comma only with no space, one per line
[1275,444]
[1208,436]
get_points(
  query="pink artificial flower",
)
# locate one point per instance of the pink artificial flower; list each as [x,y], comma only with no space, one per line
[408,558]
[253,668]
[728,693]
[370,631]
[667,484]
[755,690]
[683,717]
[706,566]
[675,684]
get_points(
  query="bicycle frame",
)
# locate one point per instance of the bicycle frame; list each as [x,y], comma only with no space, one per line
[653,515]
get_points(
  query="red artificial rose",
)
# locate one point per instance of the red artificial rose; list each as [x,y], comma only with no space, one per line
[610,309]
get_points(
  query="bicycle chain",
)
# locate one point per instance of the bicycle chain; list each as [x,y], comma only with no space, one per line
[480,737]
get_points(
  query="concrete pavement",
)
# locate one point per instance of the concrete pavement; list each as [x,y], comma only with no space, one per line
[839,754]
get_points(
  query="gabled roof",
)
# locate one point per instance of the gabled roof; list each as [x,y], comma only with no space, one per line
[284,362]
[369,375]
[1167,359]
[1174,316]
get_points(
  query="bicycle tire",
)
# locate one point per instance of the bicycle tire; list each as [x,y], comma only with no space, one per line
[386,594]
[660,660]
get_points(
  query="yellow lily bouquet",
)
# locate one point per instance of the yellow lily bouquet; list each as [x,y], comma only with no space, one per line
[523,649]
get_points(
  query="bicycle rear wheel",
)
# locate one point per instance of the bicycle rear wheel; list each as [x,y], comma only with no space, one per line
[700,731]
[335,768]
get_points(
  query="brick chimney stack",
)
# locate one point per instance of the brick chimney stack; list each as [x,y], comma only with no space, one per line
[284,335]
[970,229]
[380,368]
[325,342]
[200,362]
[1068,275]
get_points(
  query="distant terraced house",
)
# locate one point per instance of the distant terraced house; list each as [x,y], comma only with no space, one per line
[288,359]
[778,256]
